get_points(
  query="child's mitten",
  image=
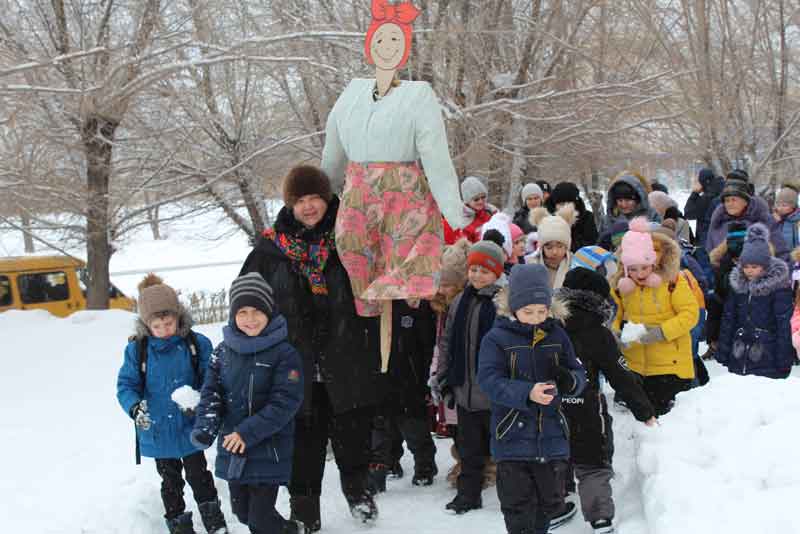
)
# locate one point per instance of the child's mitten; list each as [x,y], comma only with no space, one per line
[141,417]
[654,334]
[565,382]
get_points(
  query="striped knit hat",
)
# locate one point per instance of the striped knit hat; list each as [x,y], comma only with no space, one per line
[251,290]
[592,257]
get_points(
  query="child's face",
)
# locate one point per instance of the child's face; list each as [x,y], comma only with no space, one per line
[533,201]
[532,314]
[554,252]
[752,271]
[639,273]
[519,247]
[480,277]
[163,327]
[784,208]
[626,205]
[735,206]
[251,321]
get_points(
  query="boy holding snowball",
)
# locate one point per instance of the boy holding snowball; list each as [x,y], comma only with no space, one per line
[165,363]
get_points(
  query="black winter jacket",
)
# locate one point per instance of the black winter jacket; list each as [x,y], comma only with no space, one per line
[325,330]
[591,440]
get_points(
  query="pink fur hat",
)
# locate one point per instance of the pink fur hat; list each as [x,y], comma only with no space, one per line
[637,249]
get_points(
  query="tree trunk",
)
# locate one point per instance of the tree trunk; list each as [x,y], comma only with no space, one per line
[98,135]
[27,236]
[152,217]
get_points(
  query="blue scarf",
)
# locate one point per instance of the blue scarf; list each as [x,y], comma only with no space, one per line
[274,333]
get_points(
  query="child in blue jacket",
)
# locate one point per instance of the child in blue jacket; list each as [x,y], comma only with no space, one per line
[163,356]
[755,334]
[527,364]
[252,391]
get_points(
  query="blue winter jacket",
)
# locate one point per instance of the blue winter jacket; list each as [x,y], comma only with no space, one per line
[515,356]
[790,229]
[253,386]
[169,367]
[755,334]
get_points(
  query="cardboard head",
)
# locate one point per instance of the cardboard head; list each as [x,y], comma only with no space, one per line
[388,41]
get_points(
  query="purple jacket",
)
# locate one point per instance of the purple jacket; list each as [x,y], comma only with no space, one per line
[757,211]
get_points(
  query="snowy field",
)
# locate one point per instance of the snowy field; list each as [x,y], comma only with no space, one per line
[725,458]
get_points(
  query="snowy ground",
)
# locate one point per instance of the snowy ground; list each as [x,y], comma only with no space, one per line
[725,456]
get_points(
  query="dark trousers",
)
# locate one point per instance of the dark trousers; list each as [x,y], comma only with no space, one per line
[349,433]
[662,389]
[198,476]
[529,495]
[254,505]
[389,431]
[472,442]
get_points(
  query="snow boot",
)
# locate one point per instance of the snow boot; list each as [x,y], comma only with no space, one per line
[181,524]
[305,510]
[363,509]
[293,527]
[424,476]
[212,517]
[603,526]
[377,478]
[396,470]
[564,515]
[461,505]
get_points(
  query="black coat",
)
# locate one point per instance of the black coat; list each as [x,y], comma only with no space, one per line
[325,330]
[413,339]
[584,231]
[591,439]
[522,219]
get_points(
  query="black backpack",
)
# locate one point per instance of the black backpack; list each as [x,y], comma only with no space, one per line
[141,350]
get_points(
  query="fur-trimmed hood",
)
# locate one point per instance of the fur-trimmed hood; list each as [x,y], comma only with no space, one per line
[558,310]
[185,323]
[577,301]
[637,182]
[776,277]
[668,264]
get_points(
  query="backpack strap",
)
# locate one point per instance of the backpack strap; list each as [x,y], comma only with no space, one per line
[141,350]
[194,351]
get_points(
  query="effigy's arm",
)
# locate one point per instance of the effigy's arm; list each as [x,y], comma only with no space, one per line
[334,158]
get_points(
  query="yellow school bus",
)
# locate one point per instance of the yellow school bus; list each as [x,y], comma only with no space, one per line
[49,283]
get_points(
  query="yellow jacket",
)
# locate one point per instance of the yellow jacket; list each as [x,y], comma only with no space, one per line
[675,311]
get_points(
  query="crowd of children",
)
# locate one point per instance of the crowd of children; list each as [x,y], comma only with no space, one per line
[533,313]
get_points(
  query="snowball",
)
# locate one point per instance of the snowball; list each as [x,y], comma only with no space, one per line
[632,332]
[186,397]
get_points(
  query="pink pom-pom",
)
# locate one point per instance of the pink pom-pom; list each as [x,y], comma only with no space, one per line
[626,285]
[653,280]
[639,224]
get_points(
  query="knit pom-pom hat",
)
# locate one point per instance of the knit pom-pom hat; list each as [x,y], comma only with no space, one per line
[637,249]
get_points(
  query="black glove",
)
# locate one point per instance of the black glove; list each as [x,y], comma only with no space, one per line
[141,417]
[201,440]
[564,380]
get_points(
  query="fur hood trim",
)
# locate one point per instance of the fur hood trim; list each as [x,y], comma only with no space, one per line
[669,259]
[776,277]
[185,324]
[558,309]
[716,255]
[588,301]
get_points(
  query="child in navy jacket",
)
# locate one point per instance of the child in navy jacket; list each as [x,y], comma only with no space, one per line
[527,364]
[163,356]
[253,389]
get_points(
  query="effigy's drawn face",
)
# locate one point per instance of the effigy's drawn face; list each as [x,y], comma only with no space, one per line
[388,46]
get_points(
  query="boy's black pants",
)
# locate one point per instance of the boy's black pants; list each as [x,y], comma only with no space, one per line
[662,389]
[529,494]
[198,476]
[254,505]
[350,434]
[472,442]
[391,428]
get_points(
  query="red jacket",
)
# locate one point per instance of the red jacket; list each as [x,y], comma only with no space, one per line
[472,231]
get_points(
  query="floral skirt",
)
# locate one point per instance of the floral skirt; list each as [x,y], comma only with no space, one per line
[389,234]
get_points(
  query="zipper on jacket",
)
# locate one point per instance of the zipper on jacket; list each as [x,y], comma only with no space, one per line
[275,450]
[250,396]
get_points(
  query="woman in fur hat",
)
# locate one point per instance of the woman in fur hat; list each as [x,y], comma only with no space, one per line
[755,336]
[339,349]
[649,290]
[555,241]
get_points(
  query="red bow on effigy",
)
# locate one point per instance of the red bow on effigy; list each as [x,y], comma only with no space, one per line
[402,13]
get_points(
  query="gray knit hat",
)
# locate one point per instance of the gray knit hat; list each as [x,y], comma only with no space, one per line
[472,187]
[156,297]
[756,246]
[529,284]
[531,190]
[251,290]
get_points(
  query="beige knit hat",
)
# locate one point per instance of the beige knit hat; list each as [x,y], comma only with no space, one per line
[454,263]
[156,297]
[556,227]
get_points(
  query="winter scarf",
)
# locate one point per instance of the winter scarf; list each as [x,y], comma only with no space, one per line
[243,344]
[308,252]
[458,336]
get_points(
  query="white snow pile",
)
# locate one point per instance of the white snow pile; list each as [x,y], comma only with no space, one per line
[186,397]
[632,332]
[725,459]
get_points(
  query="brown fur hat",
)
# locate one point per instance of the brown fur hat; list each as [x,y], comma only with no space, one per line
[305,180]
[156,297]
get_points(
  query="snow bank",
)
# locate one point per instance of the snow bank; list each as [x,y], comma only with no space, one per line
[725,459]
